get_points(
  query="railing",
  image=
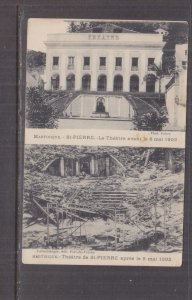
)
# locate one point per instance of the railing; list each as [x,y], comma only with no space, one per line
[134,68]
[151,68]
[70,67]
[118,68]
[102,67]
[170,83]
[86,67]
[55,67]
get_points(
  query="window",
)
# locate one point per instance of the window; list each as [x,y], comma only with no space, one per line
[71,60]
[102,83]
[55,60]
[184,64]
[55,82]
[151,61]
[118,62]
[118,83]
[186,52]
[86,65]
[134,66]
[86,61]
[150,65]
[134,83]
[102,63]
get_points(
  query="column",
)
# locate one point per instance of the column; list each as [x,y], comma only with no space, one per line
[77,168]
[92,166]
[78,71]
[62,167]
[143,72]
[48,71]
[110,71]
[107,165]
[94,65]
[126,71]
[63,72]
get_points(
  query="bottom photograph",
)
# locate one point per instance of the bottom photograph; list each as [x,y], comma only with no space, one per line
[103,199]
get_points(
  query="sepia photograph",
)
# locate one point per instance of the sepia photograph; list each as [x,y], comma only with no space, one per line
[102,74]
[103,199]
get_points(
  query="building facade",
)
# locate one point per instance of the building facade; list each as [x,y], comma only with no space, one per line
[176,90]
[106,61]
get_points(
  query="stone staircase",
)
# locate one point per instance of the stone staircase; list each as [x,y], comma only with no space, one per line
[141,102]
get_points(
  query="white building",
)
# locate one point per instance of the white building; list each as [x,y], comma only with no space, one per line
[104,64]
[176,90]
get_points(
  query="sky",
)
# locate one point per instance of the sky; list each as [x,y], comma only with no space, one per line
[38,29]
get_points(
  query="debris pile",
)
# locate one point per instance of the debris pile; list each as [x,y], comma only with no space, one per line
[142,210]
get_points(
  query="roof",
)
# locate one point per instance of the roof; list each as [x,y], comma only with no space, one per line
[109,28]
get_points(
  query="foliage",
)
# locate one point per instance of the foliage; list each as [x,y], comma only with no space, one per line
[35,59]
[135,26]
[150,121]
[177,34]
[39,114]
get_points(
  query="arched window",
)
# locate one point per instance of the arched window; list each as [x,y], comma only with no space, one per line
[86,82]
[55,82]
[70,80]
[102,83]
[150,83]
[118,83]
[134,83]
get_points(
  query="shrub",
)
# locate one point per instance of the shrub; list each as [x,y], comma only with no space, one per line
[150,121]
[39,114]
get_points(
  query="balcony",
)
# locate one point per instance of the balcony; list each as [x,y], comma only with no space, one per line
[86,67]
[134,68]
[151,68]
[70,67]
[118,68]
[55,67]
[102,67]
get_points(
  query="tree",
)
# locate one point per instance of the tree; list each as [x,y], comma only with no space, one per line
[150,121]
[35,59]
[39,114]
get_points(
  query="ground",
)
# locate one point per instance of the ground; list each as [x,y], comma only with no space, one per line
[153,221]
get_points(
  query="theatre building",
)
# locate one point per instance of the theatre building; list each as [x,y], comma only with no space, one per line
[103,69]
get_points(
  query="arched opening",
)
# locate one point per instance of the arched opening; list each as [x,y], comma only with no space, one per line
[134,83]
[102,83]
[55,82]
[100,105]
[70,82]
[118,83]
[86,82]
[150,83]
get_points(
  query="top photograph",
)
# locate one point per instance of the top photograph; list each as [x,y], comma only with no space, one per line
[106,74]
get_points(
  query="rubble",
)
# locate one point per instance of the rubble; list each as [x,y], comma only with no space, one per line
[157,210]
